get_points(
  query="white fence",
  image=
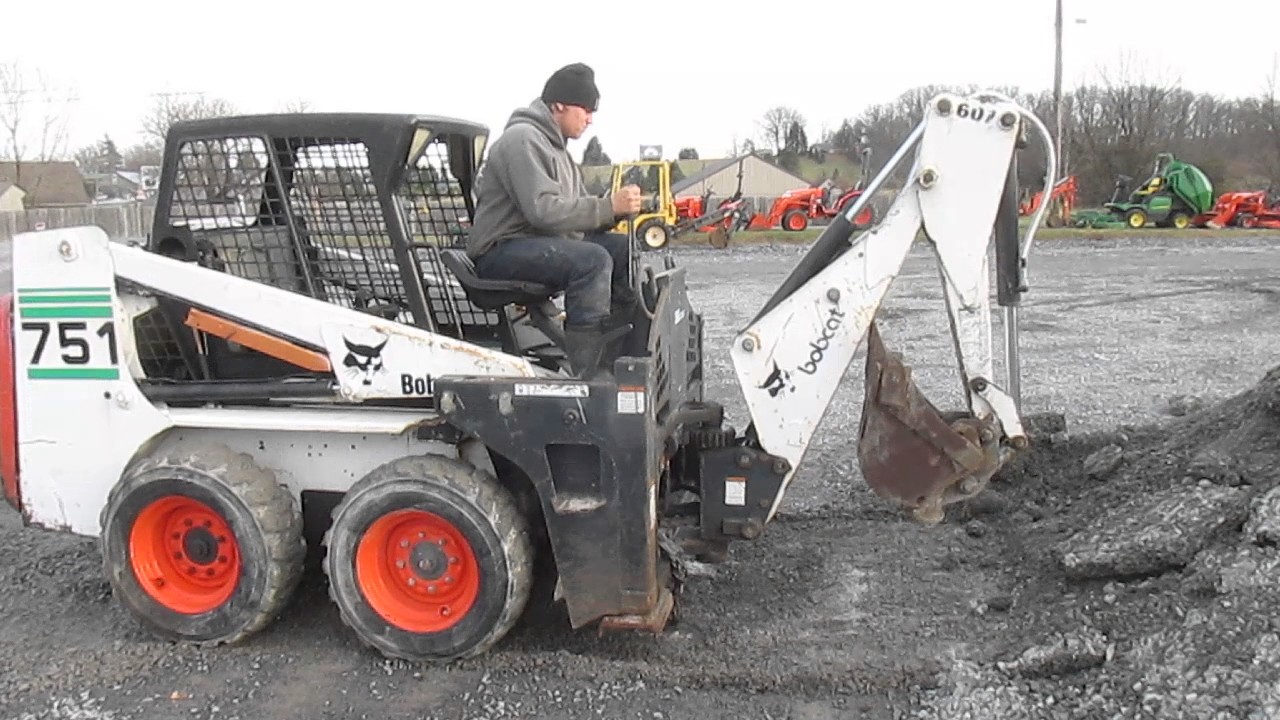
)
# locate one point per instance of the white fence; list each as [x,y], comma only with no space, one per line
[133,220]
[120,221]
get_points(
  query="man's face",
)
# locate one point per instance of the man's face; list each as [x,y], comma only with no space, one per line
[573,120]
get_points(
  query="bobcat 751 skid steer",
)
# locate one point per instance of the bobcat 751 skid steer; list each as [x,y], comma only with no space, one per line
[302,356]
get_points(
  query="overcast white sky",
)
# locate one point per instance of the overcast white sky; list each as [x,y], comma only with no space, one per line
[694,72]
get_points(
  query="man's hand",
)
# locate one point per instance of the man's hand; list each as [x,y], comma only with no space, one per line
[626,201]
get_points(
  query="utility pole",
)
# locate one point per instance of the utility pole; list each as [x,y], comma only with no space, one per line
[1057,88]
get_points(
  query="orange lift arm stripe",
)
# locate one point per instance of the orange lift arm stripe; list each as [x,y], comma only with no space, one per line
[258,340]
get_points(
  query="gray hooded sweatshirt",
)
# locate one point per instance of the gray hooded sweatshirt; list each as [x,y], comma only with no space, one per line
[530,186]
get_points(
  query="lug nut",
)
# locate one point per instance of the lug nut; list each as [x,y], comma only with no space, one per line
[944,107]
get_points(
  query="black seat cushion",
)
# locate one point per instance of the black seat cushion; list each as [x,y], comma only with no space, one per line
[492,294]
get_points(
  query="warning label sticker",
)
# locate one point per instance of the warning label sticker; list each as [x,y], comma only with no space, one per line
[735,491]
[630,400]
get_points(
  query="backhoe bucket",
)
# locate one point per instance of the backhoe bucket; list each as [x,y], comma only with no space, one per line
[718,238]
[909,452]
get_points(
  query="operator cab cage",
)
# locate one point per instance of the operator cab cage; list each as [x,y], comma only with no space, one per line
[350,208]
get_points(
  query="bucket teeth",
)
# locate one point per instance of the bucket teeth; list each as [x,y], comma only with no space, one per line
[911,453]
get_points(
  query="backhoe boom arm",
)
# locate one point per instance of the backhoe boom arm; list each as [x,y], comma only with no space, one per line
[791,358]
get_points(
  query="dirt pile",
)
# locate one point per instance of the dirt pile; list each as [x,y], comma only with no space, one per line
[1143,572]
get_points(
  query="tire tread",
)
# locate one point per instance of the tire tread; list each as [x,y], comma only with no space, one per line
[494,501]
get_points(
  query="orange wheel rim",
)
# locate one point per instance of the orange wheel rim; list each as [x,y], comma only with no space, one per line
[184,555]
[796,222]
[417,571]
[864,218]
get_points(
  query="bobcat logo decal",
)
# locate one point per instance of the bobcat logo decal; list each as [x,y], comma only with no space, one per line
[364,360]
[778,381]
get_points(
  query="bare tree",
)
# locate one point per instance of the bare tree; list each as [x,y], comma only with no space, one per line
[775,124]
[170,108]
[33,118]
[1267,124]
[145,153]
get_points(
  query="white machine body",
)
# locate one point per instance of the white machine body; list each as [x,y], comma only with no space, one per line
[82,417]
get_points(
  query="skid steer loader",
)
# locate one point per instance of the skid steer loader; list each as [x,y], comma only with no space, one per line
[301,354]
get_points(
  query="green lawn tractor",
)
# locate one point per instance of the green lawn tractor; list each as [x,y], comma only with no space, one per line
[1174,194]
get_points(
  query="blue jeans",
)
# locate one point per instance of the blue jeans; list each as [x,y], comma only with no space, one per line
[592,272]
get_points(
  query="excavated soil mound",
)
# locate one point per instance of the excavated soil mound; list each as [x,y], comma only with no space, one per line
[1142,571]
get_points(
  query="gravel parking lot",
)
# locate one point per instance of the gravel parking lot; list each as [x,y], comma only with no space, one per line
[1123,568]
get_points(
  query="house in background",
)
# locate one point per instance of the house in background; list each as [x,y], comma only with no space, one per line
[11,197]
[46,184]
[760,178]
[117,185]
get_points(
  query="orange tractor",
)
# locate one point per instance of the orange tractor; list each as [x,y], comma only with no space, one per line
[1249,209]
[1065,193]
[794,209]
[726,214]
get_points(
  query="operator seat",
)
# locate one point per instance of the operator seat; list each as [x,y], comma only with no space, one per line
[497,294]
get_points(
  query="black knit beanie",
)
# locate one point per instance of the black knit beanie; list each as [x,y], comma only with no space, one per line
[573,84]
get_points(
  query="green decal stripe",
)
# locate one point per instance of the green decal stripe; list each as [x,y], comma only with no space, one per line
[56,290]
[69,311]
[62,299]
[73,373]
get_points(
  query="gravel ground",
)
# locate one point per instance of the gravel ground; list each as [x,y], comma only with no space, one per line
[1125,568]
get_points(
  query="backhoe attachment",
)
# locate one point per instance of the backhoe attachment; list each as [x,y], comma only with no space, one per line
[960,197]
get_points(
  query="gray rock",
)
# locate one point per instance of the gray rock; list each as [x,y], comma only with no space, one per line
[1213,463]
[1263,525]
[1252,569]
[1064,653]
[990,502]
[1102,463]
[1152,533]
[1223,570]
[1180,405]
[1231,570]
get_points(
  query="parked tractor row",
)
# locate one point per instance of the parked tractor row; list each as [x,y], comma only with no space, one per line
[1250,209]
[1176,195]
[664,216]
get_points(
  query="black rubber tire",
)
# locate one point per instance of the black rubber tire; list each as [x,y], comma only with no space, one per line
[642,230]
[786,220]
[262,514]
[480,508]
[874,218]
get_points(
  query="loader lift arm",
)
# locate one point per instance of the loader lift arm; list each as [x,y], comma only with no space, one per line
[961,192]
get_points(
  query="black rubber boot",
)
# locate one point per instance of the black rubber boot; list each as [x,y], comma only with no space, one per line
[585,346]
[618,326]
